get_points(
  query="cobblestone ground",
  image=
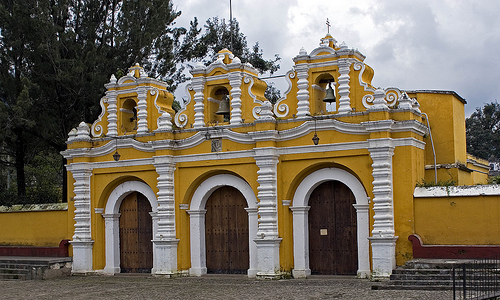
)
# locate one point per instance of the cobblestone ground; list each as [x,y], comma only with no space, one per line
[206,287]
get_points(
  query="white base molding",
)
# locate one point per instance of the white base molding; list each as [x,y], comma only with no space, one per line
[383,257]
[82,257]
[301,273]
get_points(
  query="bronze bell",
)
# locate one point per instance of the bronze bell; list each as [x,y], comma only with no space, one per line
[224,106]
[330,94]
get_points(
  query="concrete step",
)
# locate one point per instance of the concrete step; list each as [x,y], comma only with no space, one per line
[383,286]
[26,268]
[417,277]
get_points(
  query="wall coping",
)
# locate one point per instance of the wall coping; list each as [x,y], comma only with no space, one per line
[457,191]
[34,207]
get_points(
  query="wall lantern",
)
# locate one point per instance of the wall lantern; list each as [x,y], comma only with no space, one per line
[116,156]
[315,138]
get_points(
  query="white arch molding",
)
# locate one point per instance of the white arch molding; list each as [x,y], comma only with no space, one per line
[197,220]
[300,210]
[112,221]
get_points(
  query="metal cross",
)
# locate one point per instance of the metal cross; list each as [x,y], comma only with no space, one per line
[328,25]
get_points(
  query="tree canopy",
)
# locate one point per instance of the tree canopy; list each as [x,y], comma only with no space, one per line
[56,56]
[483,131]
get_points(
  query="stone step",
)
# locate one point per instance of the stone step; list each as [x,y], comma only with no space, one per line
[15,276]
[412,287]
[422,271]
[25,268]
[417,277]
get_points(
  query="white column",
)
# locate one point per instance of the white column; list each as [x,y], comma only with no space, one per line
[112,117]
[165,241]
[142,112]
[82,240]
[383,240]
[252,251]
[267,239]
[198,254]
[198,84]
[344,88]
[235,82]
[301,241]
[303,92]
[363,220]
[112,236]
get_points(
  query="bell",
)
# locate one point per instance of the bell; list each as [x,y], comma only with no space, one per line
[330,94]
[223,106]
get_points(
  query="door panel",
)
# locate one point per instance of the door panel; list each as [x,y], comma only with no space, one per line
[226,232]
[136,248]
[332,230]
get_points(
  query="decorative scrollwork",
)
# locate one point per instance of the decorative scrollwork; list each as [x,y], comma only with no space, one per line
[368,100]
[180,118]
[360,66]
[281,109]
[392,96]
[97,129]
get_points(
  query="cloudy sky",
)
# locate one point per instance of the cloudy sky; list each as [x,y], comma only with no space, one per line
[425,44]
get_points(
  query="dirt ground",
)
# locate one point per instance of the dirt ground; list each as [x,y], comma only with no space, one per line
[205,287]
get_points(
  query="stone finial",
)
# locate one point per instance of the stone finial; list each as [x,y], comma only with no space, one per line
[83,132]
[236,60]
[302,51]
[415,105]
[266,111]
[379,101]
[405,101]
[112,79]
[72,135]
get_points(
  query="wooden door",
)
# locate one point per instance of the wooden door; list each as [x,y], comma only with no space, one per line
[226,232]
[136,248]
[332,230]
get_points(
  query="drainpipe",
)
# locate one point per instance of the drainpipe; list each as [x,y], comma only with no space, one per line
[433,150]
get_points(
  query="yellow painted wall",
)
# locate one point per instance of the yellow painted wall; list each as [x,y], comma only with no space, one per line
[34,228]
[407,169]
[458,220]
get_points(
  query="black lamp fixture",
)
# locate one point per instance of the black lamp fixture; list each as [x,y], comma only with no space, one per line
[315,138]
[116,156]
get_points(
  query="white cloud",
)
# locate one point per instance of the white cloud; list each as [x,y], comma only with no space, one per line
[425,44]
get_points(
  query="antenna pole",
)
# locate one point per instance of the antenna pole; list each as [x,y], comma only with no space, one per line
[231,24]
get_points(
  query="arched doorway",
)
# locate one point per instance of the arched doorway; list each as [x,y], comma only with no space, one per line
[300,211]
[332,230]
[226,232]
[136,234]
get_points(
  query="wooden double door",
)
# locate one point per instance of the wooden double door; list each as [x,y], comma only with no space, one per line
[226,232]
[332,230]
[136,234]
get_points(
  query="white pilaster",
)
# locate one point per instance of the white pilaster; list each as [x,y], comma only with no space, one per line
[112,109]
[142,113]
[82,240]
[198,84]
[344,87]
[303,92]
[165,241]
[112,234]
[363,223]
[198,254]
[267,239]
[252,233]
[301,250]
[235,79]
[383,240]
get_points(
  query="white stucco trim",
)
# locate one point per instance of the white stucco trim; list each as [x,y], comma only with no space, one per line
[111,224]
[197,220]
[300,210]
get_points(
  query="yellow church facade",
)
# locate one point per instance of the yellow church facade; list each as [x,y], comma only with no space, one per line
[234,184]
